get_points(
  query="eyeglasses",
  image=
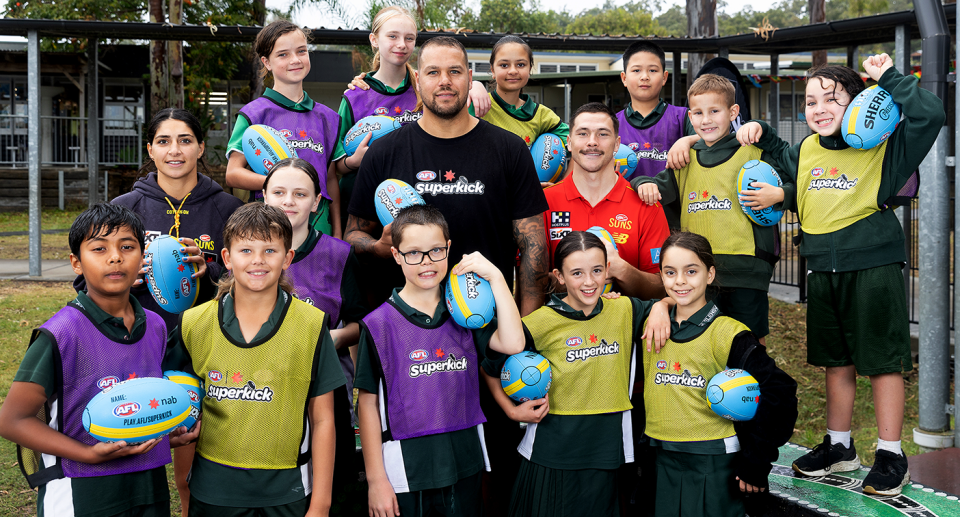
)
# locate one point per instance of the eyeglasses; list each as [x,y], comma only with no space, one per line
[415,257]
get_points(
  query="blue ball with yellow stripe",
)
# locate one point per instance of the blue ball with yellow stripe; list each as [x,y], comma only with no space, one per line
[378,125]
[470,300]
[606,237]
[625,161]
[194,388]
[264,146]
[734,395]
[870,118]
[136,410]
[526,376]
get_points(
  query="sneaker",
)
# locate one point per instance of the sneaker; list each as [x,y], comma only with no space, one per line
[828,458]
[889,474]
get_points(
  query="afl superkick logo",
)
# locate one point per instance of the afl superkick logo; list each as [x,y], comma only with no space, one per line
[408,116]
[450,364]
[841,183]
[307,144]
[711,204]
[472,283]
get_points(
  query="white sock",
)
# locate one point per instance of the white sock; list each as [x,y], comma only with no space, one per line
[893,447]
[840,437]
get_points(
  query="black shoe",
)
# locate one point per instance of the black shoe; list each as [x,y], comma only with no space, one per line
[889,474]
[828,458]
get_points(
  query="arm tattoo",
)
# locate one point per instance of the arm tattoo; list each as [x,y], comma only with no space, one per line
[532,278]
[359,234]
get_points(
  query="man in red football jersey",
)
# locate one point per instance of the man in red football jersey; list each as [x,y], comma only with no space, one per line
[593,194]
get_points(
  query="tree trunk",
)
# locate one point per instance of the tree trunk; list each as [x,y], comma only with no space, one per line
[175,57]
[159,85]
[701,23]
[818,14]
[256,80]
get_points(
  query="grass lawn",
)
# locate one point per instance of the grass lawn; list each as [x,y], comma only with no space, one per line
[54,246]
[26,305]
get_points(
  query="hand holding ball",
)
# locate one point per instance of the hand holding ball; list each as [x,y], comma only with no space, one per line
[526,376]
[870,119]
[470,300]
[169,278]
[136,410]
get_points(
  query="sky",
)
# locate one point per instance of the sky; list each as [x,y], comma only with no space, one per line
[314,16]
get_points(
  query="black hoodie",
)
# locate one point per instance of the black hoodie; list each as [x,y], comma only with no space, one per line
[202,219]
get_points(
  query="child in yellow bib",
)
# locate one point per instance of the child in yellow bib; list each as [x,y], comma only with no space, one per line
[582,432]
[704,462]
[269,367]
[857,321]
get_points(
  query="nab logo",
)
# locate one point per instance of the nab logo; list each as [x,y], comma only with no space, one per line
[661,365]
[419,355]
[193,396]
[185,286]
[426,175]
[575,341]
[381,111]
[107,382]
[692,196]
[817,172]
[286,133]
[126,409]
[215,376]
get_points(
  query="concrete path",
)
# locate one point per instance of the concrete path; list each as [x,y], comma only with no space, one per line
[51,270]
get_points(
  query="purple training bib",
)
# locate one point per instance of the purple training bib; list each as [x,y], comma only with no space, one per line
[90,362]
[401,107]
[313,134]
[317,276]
[431,376]
[653,143]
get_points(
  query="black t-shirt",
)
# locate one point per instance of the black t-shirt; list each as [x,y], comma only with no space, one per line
[481,182]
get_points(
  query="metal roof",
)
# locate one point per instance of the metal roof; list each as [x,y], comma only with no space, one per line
[820,36]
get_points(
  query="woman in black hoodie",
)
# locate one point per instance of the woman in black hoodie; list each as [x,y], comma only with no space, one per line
[178,200]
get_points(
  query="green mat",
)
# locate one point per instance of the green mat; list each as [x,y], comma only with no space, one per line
[840,494]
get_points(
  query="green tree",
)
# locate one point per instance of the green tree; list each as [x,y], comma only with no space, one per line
[513,16]
[632,19]
[98,10]
[673,22]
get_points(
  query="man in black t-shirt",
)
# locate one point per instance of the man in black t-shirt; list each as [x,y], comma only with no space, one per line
[481,177]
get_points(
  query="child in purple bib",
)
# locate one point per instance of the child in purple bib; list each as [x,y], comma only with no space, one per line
[419,406]
[101,338]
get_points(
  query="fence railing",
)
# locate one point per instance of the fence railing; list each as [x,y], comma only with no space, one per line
[64,141]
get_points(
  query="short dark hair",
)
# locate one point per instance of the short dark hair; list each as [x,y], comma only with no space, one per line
[644,46]
[840,75]
[690,241]
[574,242]
[442,41]
[296,163]
[421,215]
[101,220]
[596,107]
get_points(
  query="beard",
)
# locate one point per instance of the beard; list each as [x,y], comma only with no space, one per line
[447,112]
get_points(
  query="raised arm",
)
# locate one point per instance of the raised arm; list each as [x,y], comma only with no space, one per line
[532,278]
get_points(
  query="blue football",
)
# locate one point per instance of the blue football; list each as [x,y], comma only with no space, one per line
[193,385]
[626,161]
[264,146]
[526,376]
[379,125]
[391,196]
[734,395]
[470,300]
[169,277]
[136,410]
[870,119]
[604,236]
[549,157]
[762,172]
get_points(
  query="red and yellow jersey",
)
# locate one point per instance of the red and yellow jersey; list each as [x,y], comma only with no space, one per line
[638,229]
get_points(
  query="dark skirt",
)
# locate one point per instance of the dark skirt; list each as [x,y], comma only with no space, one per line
[545,492]
[697,485]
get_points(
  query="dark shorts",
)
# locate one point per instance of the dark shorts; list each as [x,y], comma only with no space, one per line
[294,509]
[691,485]
[748,306]
[859,318]
[459,500]
[159,509]
[545,492]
